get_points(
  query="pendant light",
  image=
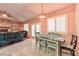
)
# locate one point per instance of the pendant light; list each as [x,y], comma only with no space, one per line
[42,15]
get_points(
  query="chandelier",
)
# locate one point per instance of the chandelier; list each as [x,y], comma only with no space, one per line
[42,16]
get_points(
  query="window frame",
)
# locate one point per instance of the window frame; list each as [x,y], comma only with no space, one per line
[66,22]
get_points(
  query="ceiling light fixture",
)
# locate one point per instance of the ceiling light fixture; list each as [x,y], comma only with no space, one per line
[4,15]
[42,15]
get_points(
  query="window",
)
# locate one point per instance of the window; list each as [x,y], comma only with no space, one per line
[63,24]
[26,27]
[60,24]
[35,28]
[51,25]
[57,24]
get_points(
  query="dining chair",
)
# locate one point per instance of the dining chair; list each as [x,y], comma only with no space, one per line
[52,46]
[37,36]
[42,43]
[70,47]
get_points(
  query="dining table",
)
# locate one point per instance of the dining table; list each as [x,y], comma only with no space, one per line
[58,39]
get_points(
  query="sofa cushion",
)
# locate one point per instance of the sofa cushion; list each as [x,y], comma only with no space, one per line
[18,35]
[2,43]
[9,35]
[1,36]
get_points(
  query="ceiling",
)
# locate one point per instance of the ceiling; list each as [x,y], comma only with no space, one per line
[25,11]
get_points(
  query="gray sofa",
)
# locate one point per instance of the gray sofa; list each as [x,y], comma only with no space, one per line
[10,37]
